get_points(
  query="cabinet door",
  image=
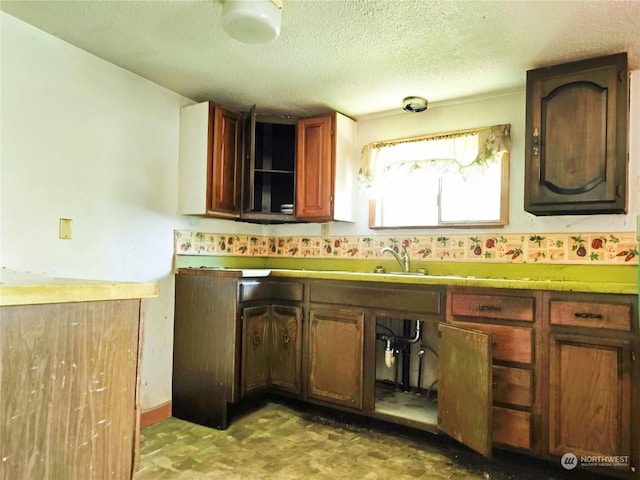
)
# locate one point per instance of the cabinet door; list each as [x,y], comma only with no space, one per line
[315,169]
[209,161]
[336,356]
[464,387]
[286,347]
[249,170]
[224,178]
[590,395]
[255,348]
[576,147]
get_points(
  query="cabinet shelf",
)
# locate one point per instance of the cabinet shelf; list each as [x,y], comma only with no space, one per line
[266,170]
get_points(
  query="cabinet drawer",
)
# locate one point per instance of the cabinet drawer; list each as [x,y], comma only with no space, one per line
[252,290]
[500,307]
[512,427]
[510,344]
[590,314]
[512,385]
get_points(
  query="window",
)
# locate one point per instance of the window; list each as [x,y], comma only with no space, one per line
[451,179]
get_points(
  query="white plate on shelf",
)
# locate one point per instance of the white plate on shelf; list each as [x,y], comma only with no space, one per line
[286,208]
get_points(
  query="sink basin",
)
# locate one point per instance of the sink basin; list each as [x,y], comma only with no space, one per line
[255,272]
[251,272]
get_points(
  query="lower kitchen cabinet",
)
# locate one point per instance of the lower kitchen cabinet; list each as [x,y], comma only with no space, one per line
[271,348]
[464,393]
[589,395]
[336,340]
[545,373]
[511,318]
[593,397]
[69,405]
[255,348]
[206,346]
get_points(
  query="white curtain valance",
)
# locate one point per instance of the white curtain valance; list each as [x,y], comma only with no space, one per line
[466,152]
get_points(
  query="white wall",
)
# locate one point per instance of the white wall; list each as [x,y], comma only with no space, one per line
[86,140]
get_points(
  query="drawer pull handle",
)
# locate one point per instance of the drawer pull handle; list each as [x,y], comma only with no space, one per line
[490,308]
[588,315]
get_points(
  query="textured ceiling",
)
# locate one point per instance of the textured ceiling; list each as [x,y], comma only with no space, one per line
[360,57]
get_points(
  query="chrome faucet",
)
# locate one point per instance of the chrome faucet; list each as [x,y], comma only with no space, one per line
[403,258]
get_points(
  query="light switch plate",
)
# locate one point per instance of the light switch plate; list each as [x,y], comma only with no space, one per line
[65,228]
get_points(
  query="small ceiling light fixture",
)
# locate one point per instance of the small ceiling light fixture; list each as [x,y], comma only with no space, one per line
[252,21]
[414,104]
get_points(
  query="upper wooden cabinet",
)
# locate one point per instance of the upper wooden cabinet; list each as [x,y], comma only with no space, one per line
[326,166]
[310,163]
[576,137]
[269,168]
[210,153]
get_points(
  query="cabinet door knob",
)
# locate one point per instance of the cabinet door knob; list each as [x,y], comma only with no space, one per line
[257,340]
[285,338]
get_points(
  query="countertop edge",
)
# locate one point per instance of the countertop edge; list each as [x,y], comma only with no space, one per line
[526,284]
[11,295]
[627,288]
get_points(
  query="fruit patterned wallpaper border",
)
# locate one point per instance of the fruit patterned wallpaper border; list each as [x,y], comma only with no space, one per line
[572,248]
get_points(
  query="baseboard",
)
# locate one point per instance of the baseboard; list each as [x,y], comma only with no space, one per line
[155,415]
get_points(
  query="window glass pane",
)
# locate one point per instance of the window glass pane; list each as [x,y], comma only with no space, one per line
[449,179]
[410,200]
[476,199]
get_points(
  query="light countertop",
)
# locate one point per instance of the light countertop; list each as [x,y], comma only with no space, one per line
[469,281]
[567,285]
[24,288]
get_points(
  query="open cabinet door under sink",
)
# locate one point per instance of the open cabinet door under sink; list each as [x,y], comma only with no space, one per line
[464,394]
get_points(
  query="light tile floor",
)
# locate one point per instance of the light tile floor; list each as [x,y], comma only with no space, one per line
[280,441]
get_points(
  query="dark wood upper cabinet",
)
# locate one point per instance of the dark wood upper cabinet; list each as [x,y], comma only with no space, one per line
[210,154]
[576,137]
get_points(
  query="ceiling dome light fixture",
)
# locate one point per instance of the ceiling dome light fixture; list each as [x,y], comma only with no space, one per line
[252,21]
[414,104]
